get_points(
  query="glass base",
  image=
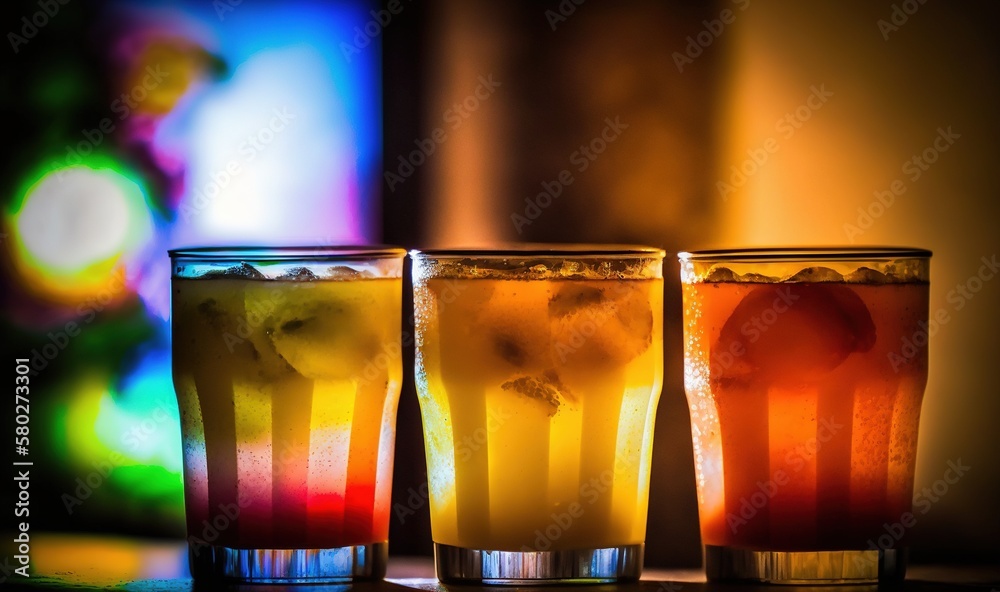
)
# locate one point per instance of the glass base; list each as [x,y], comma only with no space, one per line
[289,566]
[457,565]
[804,567]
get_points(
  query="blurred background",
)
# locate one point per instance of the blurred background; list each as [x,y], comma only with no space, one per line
[134,127]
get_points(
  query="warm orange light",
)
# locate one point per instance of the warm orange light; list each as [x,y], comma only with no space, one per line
[100,561]
[880,162]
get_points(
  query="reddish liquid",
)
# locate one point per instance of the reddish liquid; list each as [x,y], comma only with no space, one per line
[805,402]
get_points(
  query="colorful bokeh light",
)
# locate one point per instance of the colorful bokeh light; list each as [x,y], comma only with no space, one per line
[124,440]
[76,229]
[129,430]
[137,156]
[286,149]
[140,418]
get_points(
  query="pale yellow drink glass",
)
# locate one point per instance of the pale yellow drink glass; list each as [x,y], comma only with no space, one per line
[287,367]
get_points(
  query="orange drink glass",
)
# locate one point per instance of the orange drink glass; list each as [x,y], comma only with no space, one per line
[538,374]
[287,368]
[804,388]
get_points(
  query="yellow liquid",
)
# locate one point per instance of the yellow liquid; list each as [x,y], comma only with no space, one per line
[287,392]
[538,400]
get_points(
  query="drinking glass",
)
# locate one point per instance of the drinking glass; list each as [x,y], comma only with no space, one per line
[804,387]
[538,374]
[287,369]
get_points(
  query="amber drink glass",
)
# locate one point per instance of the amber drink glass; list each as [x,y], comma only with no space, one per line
[805,399]
[538,374]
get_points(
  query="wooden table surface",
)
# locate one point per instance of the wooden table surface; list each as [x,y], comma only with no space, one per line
[94,562]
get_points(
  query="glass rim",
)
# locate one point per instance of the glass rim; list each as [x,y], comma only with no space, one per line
[778,254]
[543,251]
[289,253]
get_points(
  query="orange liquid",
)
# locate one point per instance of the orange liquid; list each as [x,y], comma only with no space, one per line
[804,403]
[287,392]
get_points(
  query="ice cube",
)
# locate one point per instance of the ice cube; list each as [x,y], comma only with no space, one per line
[816,274]
[904,271]
[242,271]
[544,389]
[507,345]
[223,311]
[757,278]
[268,363]
[213,311]
[298,274]
[457,305]
[343,272]
[794,333]
[209,326]
[572,297]
[514,322]
[866,275]
[721,274]
[600,325]
[467,295]
[319,332]
[858,316]
[240,335]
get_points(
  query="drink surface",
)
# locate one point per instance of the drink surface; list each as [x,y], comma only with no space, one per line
[805,402]
[287,392]
[538,399]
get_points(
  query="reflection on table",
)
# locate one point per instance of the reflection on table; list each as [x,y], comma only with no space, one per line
[93,562]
